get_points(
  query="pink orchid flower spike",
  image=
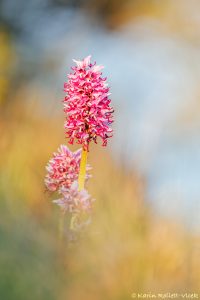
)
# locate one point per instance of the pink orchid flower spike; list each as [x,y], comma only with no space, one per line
[87,108]
[87,104]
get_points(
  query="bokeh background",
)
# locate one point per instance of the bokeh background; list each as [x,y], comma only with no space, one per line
[144,235]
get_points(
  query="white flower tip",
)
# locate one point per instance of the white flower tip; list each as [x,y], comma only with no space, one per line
[86,61]
[97,68]
[78,62]
[83,63]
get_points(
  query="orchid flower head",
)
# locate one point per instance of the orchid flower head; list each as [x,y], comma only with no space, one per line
[73,200]
[87,104]
[63,169]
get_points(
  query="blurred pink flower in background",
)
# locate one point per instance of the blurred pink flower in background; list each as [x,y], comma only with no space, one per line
[87,104]
[63,169]
[73,200]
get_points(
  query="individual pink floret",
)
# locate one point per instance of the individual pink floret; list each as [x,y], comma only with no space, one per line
[87,104]
[63,169]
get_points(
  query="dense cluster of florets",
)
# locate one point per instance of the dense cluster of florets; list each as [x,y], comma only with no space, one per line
[62,176]
[73,200]
[87,104]
[62,169]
